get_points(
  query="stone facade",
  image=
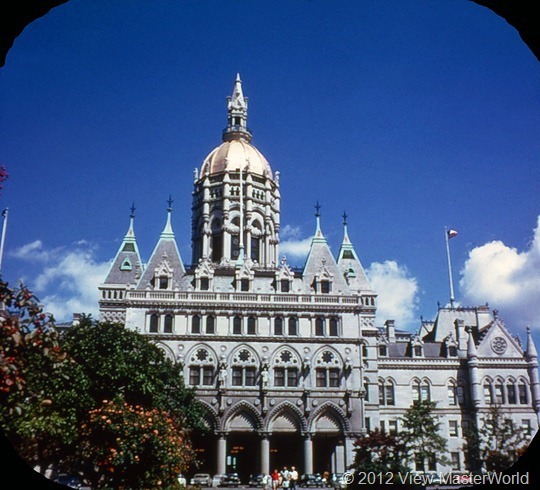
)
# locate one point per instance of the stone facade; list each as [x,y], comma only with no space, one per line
[288,362]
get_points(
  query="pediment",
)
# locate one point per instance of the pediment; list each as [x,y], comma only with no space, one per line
[497,342]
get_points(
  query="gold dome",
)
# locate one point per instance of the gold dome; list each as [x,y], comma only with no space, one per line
[234,155]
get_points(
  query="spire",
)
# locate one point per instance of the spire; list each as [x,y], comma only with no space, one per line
[346,239]
[126,266]
[237,106]
[471,346]
[531,348]
[167,231]
[318,231]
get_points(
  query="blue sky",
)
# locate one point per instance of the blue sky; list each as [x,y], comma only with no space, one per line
[409,115]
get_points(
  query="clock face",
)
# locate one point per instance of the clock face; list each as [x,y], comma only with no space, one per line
[499,345]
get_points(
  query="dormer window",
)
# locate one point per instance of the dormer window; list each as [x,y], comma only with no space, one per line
[285,285]
[383,351]
[163,282]
[417,351]
[205,284]
[244,284]
[126,265]
[325,287]
[452,351]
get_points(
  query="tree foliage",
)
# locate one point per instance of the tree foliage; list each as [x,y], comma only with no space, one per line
[380,452]
[497,444]
[93,401]
[421,433]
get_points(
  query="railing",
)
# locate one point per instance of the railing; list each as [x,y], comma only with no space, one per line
[210,297]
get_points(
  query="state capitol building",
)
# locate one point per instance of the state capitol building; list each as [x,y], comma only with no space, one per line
[288,362]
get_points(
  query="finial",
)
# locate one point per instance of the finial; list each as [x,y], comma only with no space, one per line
[317,210]
[132,209]
[344,216]
[169,203]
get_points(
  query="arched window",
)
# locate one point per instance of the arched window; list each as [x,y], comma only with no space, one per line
[293,326]
[327,370]
[319,326]
[366,388]
[278,326]
[196,324]
[255,248]
[499,392]
[154,323]
[421,391]
[168,324]
[201,369]
[237,325]
[210,324]
[386,393]
[217,241]
[364,351]
[333,331]
[452,394]
[286,369]
[511,393]
[522,390]
[488,397]
[252,325]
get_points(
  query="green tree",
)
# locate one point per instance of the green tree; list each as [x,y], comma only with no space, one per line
[136,434]
[40,395]
[380,452]
[497,444]
[421,434]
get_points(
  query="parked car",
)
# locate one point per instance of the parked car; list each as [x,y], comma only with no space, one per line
[256,480]
[312,480]
[230,480]
[69,481]
[338,481]
[202,479]
[216,480]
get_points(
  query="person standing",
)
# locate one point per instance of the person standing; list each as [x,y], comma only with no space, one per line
[285,478]
[294,478]
[275,479]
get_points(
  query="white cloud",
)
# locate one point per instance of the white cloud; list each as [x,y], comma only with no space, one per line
[507,279]
[397,293]
[68,280]
[295,249]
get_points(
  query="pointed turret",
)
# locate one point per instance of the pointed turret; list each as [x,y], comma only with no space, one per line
[531,352]
[471,346]
[165,269]
[349,263]
[321,273]
[126,267]
[237,106]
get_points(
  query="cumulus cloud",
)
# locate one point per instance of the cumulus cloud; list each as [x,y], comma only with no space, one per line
[68,279]
[397,293]
[507,279]
[292,245]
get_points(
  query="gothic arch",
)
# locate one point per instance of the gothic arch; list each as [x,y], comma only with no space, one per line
[290,409]
[246,347]
[283,348]
[202,345]
[324,348]
[334,411]
[253,419]
[167,351]
[209,416]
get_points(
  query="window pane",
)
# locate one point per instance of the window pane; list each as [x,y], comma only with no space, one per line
[416,392]
[452,395]
[278,326]
[293,326]
[279,377]
[255,245]
[461,395]
[208,375]
[487,394]
[194,376]
[163,282]
[511,393]
[250,376]
[251,327]
[381,394]
[424,390]
[522,394]
[210,324]
[237,325]
[154,322]
[236,376]
[333,377]
[499,398]
[167,327]
[321,377]
[205,283]
[285,286]
[319,326]
[325,287]
[383,351]
[196,324]
[389,393]
[244,284]
[333,327]
[292,377]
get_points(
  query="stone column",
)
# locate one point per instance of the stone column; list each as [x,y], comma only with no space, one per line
[265,453]
[221,453]
[340,458]
[349,451]
[308,453]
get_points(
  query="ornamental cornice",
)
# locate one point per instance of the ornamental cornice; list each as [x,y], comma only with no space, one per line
[251,338]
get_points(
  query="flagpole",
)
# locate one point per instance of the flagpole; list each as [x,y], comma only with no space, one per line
[4,227]
[449,268]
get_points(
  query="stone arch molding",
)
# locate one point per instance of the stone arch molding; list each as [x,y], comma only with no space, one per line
[287,409]
[252,419]
[334,412]
[210,416]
